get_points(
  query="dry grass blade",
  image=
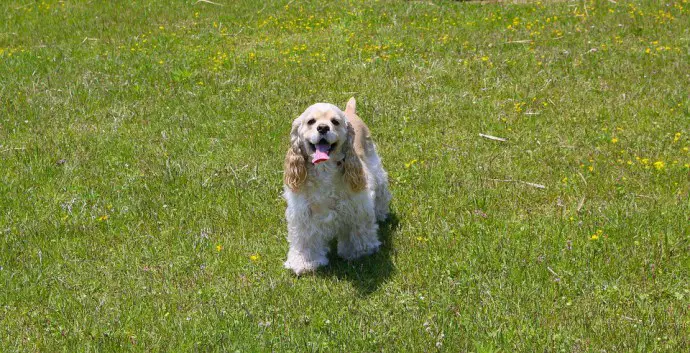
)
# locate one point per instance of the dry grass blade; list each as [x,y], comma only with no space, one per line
[580,204]
[494,138]
[13,149]
[208,2]
[538,186]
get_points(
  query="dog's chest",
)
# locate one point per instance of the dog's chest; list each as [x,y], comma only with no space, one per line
[322,207]
[327,192]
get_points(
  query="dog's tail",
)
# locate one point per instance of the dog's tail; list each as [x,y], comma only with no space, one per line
[351,105]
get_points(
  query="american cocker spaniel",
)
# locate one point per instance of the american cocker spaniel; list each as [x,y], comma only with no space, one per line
[335,187]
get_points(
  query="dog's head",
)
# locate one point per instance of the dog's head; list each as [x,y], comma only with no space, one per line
[321,135]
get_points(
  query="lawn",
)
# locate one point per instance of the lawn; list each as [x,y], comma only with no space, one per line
[141,150]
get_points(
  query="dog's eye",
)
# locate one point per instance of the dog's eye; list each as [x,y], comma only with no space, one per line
[311,121]
[335,122]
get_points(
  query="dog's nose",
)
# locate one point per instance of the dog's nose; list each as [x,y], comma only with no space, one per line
[323,128]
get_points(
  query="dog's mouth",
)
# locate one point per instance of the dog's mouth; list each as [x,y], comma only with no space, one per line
[322,151]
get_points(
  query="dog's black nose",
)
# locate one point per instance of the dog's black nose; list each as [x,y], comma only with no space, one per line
[323,128]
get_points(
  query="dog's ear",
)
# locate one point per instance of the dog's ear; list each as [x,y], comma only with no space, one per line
[352,166]
[295,173]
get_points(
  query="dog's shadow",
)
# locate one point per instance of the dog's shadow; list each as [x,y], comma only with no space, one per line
[370,272]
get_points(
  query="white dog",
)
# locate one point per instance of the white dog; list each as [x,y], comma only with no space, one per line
[335,187]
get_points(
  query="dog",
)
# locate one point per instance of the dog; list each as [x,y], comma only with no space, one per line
[335,187]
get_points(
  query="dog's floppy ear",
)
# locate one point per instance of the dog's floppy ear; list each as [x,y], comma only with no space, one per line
[295,173]
[352,166]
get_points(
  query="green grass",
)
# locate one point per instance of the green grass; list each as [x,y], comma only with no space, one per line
[137,138]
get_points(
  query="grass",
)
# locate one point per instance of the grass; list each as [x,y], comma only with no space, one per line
[141,148]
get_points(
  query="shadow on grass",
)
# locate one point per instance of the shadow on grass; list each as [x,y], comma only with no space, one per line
[368,273]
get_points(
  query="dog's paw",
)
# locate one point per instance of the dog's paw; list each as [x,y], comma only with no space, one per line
[300,266]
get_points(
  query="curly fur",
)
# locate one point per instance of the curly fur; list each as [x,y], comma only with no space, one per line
[353,172]
[342,198]
[295,164]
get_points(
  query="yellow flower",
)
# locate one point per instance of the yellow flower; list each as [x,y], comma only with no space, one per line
[614,140]
[596,235]
[659,165]
[219,247]
[644,160]
[103,218]
[485,58]
[255,257]
[676,137]
[518,107]
[410,163]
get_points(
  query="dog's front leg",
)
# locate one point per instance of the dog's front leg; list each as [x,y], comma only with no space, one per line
[362,238]
[307,251]
[308,243]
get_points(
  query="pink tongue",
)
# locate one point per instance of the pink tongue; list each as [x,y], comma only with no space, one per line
[321,153]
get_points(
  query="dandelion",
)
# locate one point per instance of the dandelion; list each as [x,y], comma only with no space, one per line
[614,140]
[518,107]
[103,218]
[410,163]
[255,257]
[596,235]
[219,247]
[659,165]
[676,137]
